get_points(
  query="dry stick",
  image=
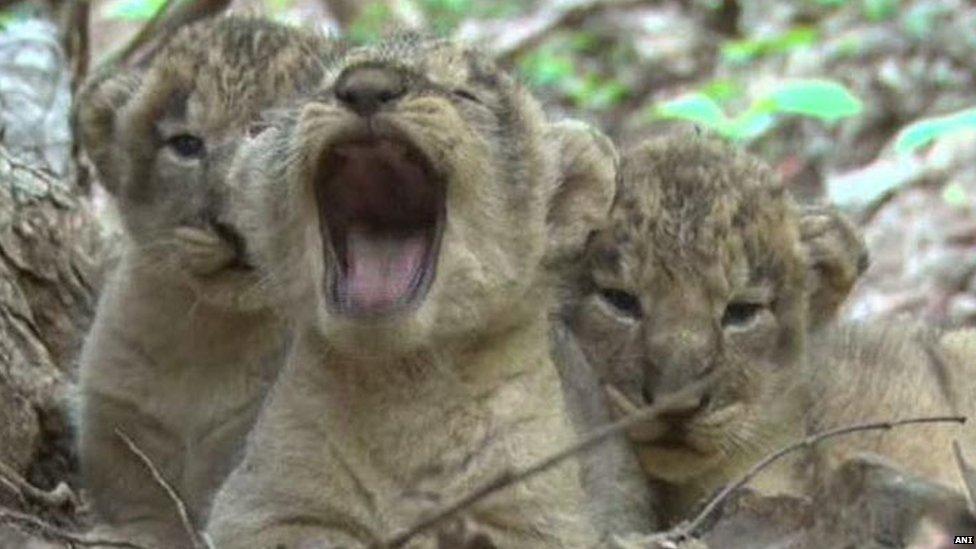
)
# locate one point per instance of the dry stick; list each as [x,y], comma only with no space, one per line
[510,477]
[164,22]
[75,39]
[684,530]
[147,32]
[34,525]
[567,18]
[199,541]
[56,498]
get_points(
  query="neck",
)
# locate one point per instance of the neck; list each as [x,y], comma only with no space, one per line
[429,398]
[166,315]
[472,364]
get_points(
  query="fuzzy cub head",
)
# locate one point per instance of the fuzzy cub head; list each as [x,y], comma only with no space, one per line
[414,197]
[162,137]
[700,273]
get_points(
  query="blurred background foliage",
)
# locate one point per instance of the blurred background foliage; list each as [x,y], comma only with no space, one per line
[590,67]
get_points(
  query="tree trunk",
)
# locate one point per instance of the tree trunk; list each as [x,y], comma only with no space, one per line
[49,245]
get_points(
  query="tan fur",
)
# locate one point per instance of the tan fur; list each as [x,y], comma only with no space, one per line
[893,370]
[703,272]
[617,496]
[376,421]
[183,345]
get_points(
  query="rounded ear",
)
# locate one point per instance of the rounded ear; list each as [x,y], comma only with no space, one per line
[588,167]
[95,117]
[837,256]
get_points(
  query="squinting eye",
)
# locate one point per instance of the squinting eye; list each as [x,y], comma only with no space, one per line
[465,94]
[624,302]
[739,314]
[186,145]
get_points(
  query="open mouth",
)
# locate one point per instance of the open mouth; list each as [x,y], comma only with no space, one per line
[382,209]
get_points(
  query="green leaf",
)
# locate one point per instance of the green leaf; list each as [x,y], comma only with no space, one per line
[371,23]
[722,90]
[879,10]
[749,125]
[133,10]
[741,51]
[793,39]
[920,19]
[921,133]
[547,68]
[955,195]
[278,6]
[868,185]
[604,95]
[821,99]
[696,107]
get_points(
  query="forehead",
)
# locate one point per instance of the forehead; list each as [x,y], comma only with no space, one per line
[228,71]
[440,60]
[692,208]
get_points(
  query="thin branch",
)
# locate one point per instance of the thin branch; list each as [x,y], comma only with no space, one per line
[75,39]
[168,19]
[547,21]
[34,525]
[148,31]
[684,530]
[199,541]
[55,499]
[512,476]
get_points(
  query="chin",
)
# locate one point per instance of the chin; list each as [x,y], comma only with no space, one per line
[375,336]
[233,290]
[675,464]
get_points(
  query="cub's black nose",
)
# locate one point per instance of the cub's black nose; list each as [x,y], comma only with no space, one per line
[365,89]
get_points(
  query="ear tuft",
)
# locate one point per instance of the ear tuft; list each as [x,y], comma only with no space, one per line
[837,257]
[95,110]
[588,166]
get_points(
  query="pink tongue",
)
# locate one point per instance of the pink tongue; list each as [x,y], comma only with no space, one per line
[381,268]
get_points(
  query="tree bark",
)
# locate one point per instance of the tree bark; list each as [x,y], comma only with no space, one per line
[49,275]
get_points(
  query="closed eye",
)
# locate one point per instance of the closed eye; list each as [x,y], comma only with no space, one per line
[624,302]
[739,314]
[465,94]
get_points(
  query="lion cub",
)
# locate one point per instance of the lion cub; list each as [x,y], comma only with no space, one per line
[404,214]
[183,344]
[707,271]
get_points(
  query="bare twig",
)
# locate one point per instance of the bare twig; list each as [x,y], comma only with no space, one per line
[56,498]
[199,541]
[75,39]
[510,477]
[168,19]
[547,20]
[34,525]
[685,529]
[76,43]
[147,32]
